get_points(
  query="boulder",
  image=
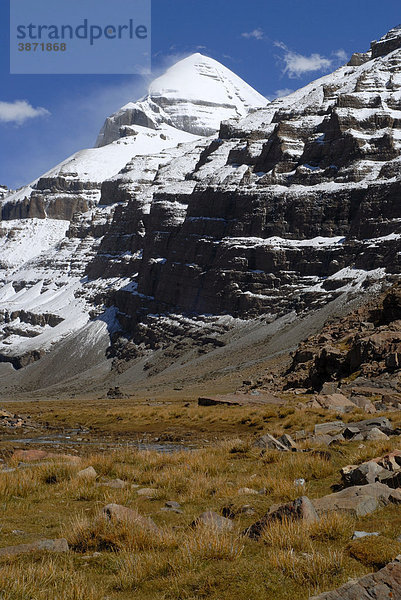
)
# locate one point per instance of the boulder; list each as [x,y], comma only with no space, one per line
[358,500]
[391,461]
[287,441]
[337,402]
[329,387]
[268,442]
[350,433]
[59,545]
[375,434]
[118,513]
[364,403]
[89,473]
[382,585]
[301,508]
[213,520]
[331,428]
[381,423]
[390,478]
[363,474]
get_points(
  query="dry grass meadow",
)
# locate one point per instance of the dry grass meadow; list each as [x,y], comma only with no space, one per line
[121,561]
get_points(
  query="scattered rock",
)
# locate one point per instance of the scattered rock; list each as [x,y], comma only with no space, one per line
[117,484]
[332,428]
[172,506]
[89,473]
[147,492]
[117,512]
[268,442]
[59,545]
[246,490]
[375,434]
[361,534]
[337,402]
[301,508]
[213,520]
[287,441]
[361,474]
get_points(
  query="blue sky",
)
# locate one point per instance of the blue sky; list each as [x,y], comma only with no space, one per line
[274,45]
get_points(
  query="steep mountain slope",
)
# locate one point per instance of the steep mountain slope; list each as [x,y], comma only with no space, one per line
[179,245]
[54,228]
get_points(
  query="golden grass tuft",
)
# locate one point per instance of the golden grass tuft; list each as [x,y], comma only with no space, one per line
[311,569]
[374,551]
[100,534]
[333,526]
[208,543]
[45,579]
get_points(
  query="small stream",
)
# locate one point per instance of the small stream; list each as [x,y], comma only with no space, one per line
[65,440]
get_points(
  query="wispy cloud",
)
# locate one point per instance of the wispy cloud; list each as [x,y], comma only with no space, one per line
[19,111]
[283,92]
[257,34]
[341,55]
[296,65]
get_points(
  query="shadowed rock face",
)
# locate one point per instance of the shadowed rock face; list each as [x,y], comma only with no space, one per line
[324,161]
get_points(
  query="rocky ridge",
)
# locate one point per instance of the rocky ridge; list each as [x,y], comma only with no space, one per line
[181,238]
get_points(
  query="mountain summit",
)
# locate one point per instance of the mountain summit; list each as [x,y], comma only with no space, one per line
[194,95]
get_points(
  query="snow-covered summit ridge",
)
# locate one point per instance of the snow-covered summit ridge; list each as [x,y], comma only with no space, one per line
[194,95]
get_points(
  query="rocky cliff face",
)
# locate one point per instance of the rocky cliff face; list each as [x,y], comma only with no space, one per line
[174,232]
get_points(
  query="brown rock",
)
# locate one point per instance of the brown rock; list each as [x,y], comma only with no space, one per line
[301,508]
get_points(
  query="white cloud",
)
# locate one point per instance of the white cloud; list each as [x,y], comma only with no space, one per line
[341,55]
[19,111]
[257,34]
[283,92]
[297,64]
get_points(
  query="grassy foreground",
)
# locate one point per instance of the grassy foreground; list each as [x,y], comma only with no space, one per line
[109,561]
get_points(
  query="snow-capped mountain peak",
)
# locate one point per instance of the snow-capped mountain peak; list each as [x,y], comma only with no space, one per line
[194,95]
